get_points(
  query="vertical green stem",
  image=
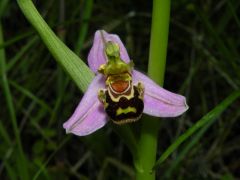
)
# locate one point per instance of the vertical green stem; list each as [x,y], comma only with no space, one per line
[156,69]
[159,40]
[21,159]
[84,25]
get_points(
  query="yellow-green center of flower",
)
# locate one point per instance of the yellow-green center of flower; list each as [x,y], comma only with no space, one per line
[115,65]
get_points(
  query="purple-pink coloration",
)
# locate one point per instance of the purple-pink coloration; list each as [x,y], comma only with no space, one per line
[97,56]
[90,116]
[158,101]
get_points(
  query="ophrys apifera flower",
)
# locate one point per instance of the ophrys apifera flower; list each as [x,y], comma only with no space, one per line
[118,92]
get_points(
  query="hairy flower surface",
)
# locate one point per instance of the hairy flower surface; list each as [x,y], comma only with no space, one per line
[90,114]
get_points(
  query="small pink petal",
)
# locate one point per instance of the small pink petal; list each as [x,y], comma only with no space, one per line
[158,101]
[97,57]
[89,115]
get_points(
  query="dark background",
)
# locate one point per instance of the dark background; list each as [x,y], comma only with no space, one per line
[203,64]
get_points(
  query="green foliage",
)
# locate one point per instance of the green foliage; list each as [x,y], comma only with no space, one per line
[37,95]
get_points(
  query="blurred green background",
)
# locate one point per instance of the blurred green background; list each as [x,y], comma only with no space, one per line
[203,63]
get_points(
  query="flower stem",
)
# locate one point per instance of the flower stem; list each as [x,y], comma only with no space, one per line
[156,68]
[159,40]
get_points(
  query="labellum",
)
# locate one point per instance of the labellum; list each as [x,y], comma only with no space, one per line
[122,100]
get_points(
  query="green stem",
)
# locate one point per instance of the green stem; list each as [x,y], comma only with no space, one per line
[84,25]
[21,160]
[156,69]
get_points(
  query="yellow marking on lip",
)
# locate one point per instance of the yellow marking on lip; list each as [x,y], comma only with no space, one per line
[126,110]
[116,99]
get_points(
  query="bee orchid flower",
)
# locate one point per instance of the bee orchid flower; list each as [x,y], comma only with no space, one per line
[118,92]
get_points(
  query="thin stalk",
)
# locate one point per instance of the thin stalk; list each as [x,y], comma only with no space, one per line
[87,11]
[156,69]
[21,160]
